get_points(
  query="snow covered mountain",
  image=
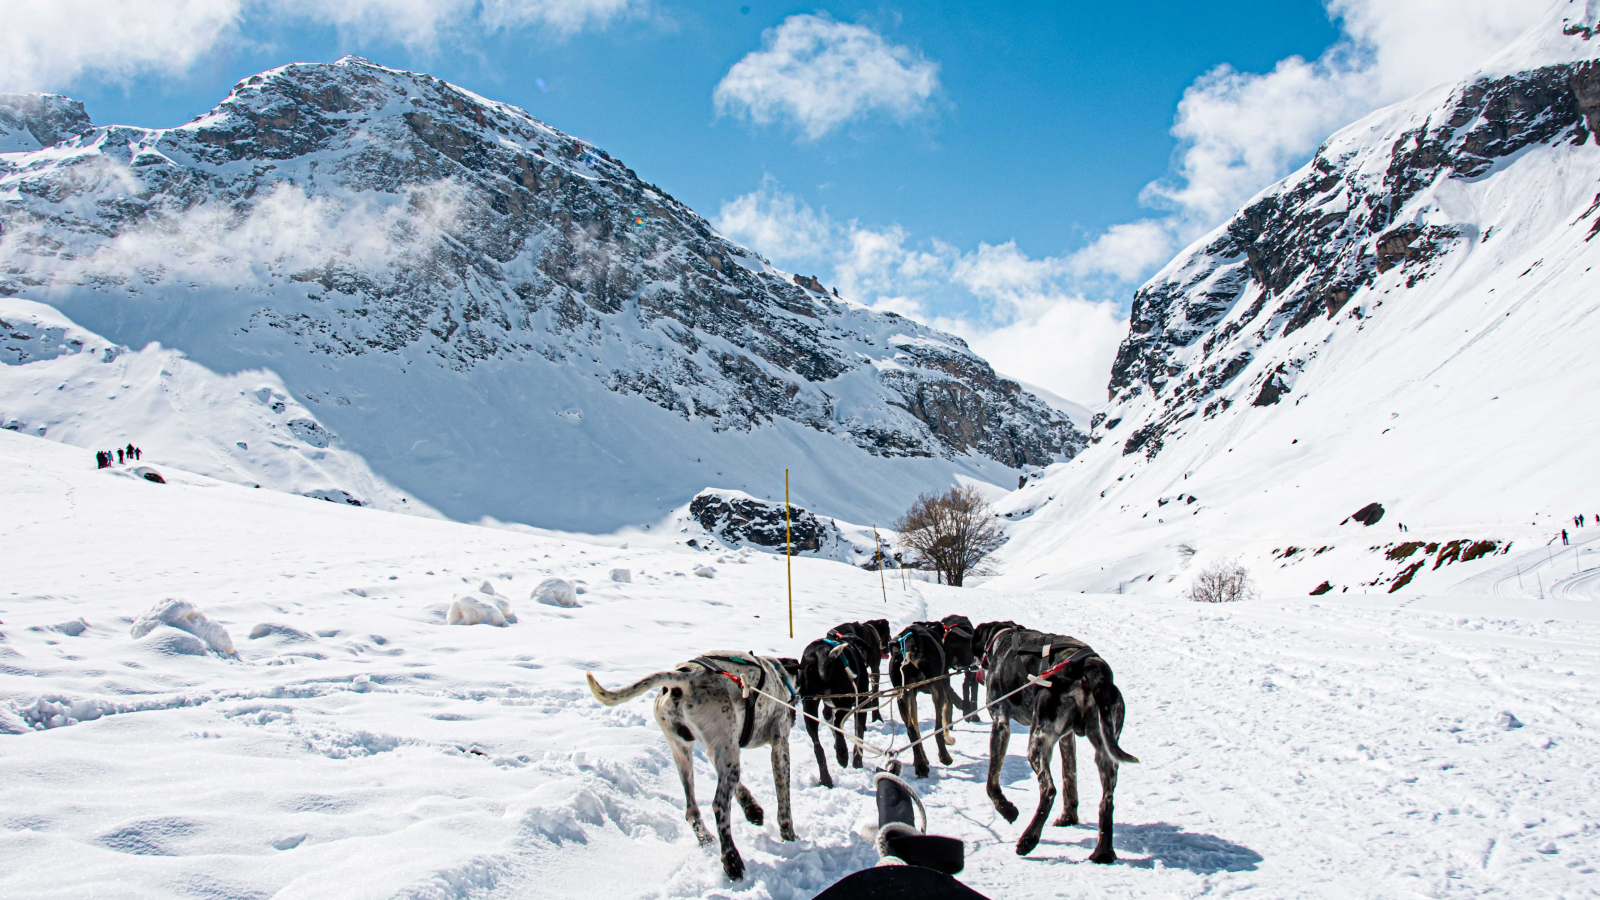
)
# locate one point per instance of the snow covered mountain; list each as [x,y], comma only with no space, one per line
[497,318]
[1409,320]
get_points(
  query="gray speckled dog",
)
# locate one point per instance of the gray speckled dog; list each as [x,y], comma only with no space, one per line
[704,700]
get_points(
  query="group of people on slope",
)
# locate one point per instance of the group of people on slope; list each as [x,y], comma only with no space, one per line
[103,458]
[1578,521]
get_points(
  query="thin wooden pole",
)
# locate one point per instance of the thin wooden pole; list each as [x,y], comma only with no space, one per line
[788,549]
[877,548]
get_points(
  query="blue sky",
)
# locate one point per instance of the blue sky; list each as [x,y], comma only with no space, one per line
[1008,171]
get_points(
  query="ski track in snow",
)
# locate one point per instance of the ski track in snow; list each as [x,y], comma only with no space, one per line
[1349,747]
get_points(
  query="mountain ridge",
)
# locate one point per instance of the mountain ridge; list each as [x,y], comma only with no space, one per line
[1406,321]
[359,225]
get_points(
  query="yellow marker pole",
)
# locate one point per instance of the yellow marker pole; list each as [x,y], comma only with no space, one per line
[877,549]
[788,549]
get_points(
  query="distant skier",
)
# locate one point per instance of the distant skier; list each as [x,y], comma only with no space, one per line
[1563,537]
[99,459]
[119,456]
[137,453]
[130,449]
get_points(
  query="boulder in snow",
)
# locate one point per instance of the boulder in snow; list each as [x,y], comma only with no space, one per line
[149,474]
[555,592]
[622,576]
[185,616]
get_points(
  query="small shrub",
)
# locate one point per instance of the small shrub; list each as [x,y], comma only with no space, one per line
[1224,581]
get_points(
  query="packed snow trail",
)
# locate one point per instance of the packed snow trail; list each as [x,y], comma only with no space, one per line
[1357,747]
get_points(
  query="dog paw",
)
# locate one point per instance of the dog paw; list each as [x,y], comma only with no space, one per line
[787,833]
[733,866]
[1103,854]
[703,836]
[945,759]
[922,771]
[855,763]
[754,815]
[1070,818]
[1026,845]
[1007,810]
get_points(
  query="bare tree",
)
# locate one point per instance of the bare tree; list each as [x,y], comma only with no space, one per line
[952,532]
[1224,581]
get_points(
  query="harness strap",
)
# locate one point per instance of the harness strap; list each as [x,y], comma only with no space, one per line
[988,650]
[1049,673]
[749,695]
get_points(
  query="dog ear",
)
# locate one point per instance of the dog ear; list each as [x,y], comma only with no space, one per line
[790,665]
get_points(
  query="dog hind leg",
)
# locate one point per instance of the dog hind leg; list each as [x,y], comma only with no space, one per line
[780,783]
[840,751]
[683,757]
[941,723]
[1042,738]
[1106,762]
[726,760]
[810,704]
[908,712]
[999,740]
[861,735]
[1069,780]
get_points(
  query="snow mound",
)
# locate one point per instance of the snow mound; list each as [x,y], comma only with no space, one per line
[705,571]
[555,592]
[185,616]
[622,576]
[286,633]
[479,610]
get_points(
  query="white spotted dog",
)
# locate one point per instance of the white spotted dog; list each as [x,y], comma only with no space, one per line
[706,700]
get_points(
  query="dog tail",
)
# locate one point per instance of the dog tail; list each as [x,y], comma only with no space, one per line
[623,695]
[1110,708]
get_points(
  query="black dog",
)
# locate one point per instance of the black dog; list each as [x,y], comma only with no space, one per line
[834,665]
[961,656]
[915,655]
[873,635]
[1079,697]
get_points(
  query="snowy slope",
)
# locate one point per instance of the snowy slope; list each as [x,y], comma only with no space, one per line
[496,317]
[360,748]
[1410,320]
[62,382]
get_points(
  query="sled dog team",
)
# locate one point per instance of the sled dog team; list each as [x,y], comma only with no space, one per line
[1055,686]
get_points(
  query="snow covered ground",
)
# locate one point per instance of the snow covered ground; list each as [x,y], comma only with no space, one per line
[1344,746]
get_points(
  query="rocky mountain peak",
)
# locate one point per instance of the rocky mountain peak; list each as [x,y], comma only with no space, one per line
[1222,324]
[358,218]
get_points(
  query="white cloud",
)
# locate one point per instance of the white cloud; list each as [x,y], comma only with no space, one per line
[777,224]
[1239,132]
[820,74]
[1021,313]
[48,44]
[282,233]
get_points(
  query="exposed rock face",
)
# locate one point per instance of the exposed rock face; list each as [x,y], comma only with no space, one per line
[739,520]
[1300,252]
[31,121]
[349,217]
